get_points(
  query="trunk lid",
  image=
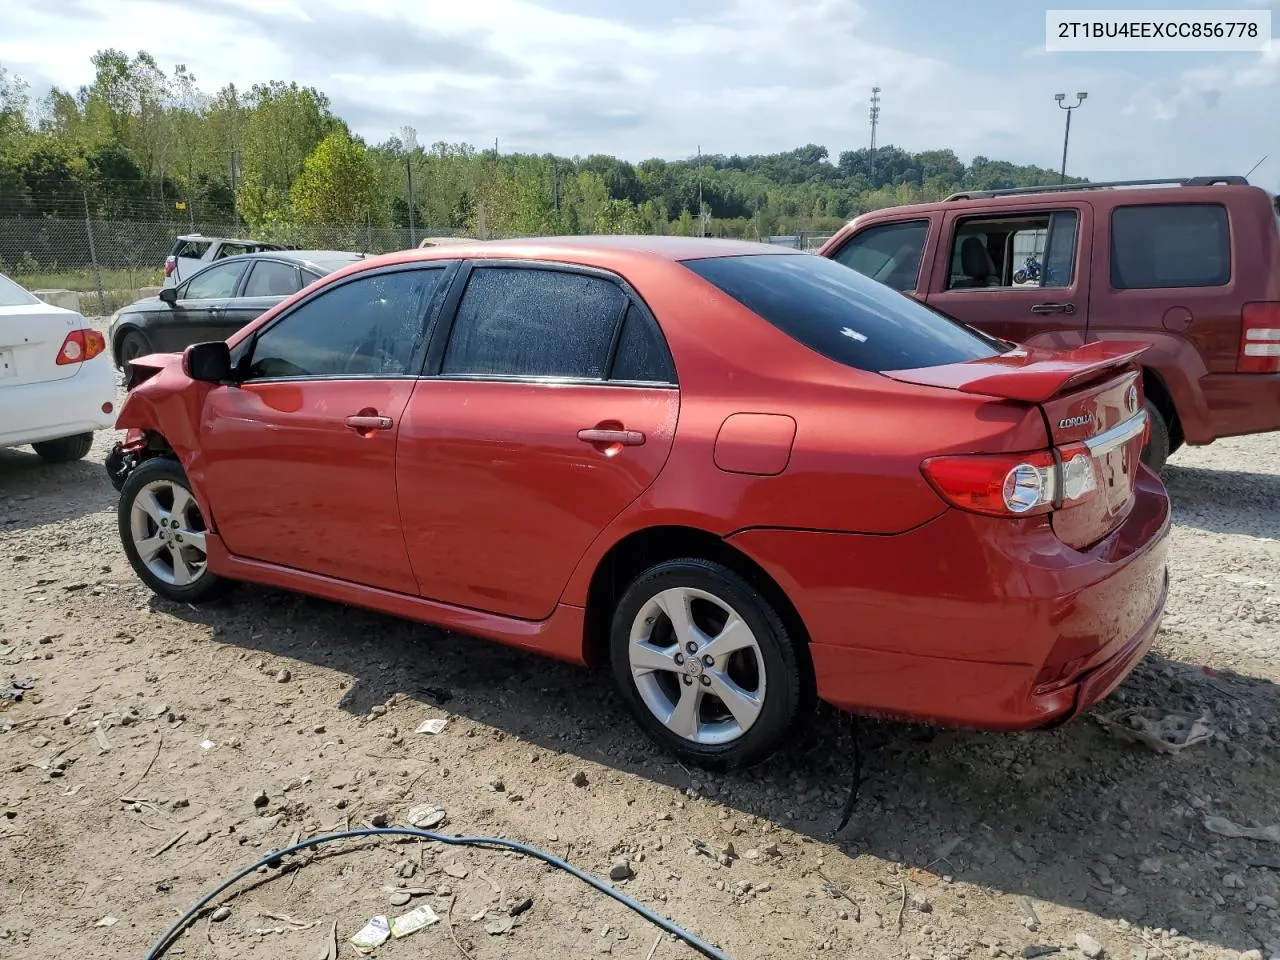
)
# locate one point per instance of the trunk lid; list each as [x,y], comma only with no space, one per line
[1093,407]
[30,337]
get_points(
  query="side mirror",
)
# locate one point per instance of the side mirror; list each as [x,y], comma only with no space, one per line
[208,362]
[169,295]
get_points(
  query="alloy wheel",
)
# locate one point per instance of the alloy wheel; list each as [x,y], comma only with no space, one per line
[169,533]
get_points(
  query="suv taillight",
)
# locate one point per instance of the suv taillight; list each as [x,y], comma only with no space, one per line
[1259,338]
[169,264]
[81,345]
[1015,485]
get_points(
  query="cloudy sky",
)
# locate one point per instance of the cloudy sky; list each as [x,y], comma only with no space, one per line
[661,77]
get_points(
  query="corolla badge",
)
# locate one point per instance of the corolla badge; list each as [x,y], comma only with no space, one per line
[1070,422]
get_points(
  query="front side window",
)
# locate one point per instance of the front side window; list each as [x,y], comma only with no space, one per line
[889,253]
[215,283]
[841,314]
[270,278]
[369,327]
[1170,245]
[1014,250]
[529,322]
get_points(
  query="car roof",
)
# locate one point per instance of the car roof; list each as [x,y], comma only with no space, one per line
[591,249]
[203,237]
[324,259]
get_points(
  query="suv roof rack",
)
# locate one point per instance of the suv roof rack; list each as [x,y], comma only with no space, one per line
[1063,187]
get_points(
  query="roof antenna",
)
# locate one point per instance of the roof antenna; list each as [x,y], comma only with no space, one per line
[1257,165]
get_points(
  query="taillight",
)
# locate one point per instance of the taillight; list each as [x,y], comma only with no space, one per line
[1004,485]
[81,345]
[1259,338]
[169,264]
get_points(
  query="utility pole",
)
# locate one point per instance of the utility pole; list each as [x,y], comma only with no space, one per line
[555,189]
[1066,136]
[409,138]
[235,207]
[702,222]
[875,122]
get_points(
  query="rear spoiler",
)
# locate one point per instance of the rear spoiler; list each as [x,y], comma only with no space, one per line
[1029,374]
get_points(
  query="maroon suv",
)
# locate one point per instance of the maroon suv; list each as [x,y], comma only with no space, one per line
[1190,266]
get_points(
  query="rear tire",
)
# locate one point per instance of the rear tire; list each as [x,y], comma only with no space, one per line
[706,665]
[64,449]
[1158,448]
[163,534]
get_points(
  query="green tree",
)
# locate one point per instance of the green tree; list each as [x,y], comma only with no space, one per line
[338,184]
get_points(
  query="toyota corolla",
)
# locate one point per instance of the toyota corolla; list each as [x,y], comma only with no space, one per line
[744,477]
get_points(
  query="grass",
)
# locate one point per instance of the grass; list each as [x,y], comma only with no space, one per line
[119,287]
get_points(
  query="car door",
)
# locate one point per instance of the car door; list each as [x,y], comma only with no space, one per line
[196,315]
[299,453]
[976,267]
[530,432]
[268,282]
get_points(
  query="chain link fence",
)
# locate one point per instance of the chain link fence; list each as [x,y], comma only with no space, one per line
[108,262]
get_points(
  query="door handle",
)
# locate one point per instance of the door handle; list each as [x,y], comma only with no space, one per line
[363,422]
[1054,308]
[628,438]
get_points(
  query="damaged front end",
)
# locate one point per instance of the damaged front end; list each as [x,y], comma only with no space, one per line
[124,456]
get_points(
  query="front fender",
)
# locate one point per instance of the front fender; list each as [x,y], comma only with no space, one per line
[169,403]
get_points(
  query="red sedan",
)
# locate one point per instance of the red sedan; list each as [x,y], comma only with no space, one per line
[745,476]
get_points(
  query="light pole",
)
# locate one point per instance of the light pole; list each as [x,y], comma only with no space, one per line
[1066,137]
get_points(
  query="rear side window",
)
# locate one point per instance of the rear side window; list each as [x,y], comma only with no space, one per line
[889,253]
[642,355]
[191,248]
[841,314]
[522,322]
[270,278]
[1170,245]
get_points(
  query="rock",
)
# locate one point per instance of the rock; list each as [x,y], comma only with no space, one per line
[408,869]
[318,728]
[379,819]
[499,926]
[763,888]
[771,850]
[1031,952]
[522,907]
[220,914]
[1090,947]
[1103,873]
[1233,881]
[621,870]
[399,898]
[260,799]
[496,785]
[1251,955]
[284,676]
[921,903]
[1263,900]
[580,779]
[728,851]
[457,871]
[378,710]
[1150,865]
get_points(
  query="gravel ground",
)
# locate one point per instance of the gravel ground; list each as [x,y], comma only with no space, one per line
[162,747]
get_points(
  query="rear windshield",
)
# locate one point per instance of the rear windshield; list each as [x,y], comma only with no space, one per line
[12,295]
[842,314]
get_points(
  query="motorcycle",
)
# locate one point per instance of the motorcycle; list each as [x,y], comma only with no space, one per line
[1030,270]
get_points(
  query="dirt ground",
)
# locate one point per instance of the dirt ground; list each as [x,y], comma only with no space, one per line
[162,748]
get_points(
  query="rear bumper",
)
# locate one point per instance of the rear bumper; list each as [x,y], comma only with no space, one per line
[1237,404]
[972,621]
[35,412]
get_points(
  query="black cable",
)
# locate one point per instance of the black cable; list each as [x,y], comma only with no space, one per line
[850,800]
[162,945]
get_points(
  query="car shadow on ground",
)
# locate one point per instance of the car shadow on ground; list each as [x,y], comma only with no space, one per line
[1071,816]
[1225,501]
[34,493]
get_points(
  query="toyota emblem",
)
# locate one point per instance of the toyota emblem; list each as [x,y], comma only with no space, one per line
[1131,398]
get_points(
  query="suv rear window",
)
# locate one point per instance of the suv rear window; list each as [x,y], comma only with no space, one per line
[1170,245]
[841,314]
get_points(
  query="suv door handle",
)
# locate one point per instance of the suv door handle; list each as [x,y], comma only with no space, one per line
[1054,308]
[628,438]
[362,422]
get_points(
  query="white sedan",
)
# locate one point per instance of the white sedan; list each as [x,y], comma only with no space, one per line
[57,385]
